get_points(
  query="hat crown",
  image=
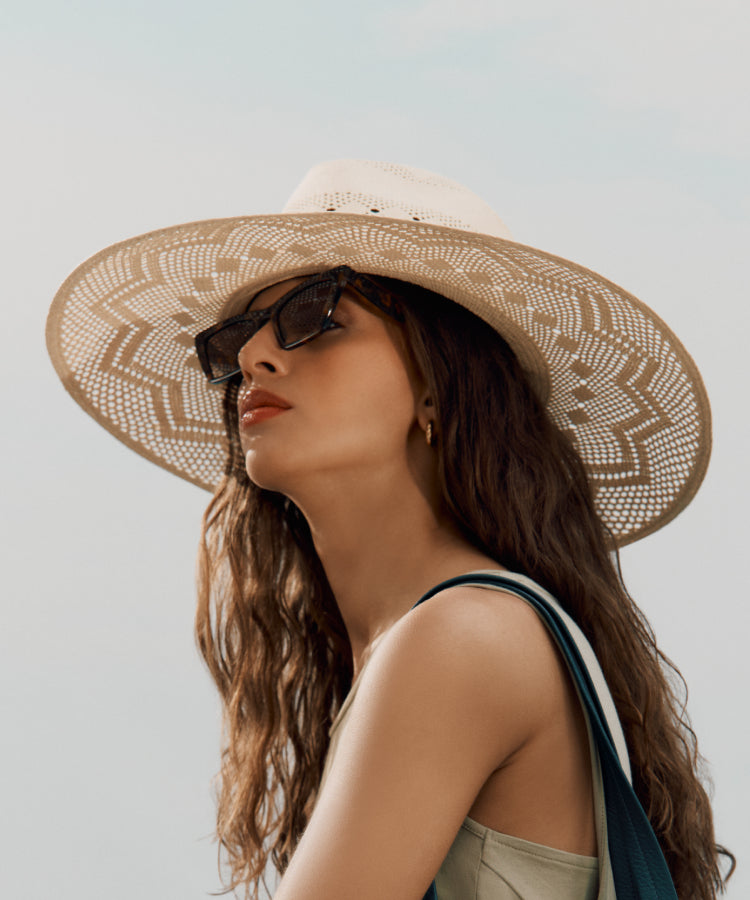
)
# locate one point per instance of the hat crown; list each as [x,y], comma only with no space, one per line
[364,187]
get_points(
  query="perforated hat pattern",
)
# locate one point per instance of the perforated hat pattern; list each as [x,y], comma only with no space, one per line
[122,326]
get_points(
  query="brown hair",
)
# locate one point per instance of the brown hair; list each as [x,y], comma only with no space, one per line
[272,636]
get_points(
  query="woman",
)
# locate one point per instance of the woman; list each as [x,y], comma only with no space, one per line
[399,396]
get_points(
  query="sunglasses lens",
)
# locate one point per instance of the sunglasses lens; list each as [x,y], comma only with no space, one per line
[303,316]
[222,348]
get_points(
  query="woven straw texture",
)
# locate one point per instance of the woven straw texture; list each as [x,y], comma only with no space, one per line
[121,329]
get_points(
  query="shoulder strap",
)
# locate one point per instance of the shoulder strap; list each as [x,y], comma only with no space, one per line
[638,866]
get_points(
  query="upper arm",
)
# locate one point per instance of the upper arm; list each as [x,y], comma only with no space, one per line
[450,695]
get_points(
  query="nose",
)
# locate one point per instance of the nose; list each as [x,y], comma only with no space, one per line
[262,354]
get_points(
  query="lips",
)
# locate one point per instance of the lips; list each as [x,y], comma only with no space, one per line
[258,404]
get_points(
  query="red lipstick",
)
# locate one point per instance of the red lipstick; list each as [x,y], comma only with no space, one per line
[258,405]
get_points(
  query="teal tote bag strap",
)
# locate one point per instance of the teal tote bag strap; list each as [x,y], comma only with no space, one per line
[639,869]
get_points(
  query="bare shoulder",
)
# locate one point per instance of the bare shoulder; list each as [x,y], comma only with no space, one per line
[481,615]
[478,627]
[473,655]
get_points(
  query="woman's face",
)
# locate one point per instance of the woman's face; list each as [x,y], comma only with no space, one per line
[352,400]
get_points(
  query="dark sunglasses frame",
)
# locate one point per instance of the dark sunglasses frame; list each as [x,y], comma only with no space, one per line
[339,278]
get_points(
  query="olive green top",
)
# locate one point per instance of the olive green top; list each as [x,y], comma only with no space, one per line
[483,864]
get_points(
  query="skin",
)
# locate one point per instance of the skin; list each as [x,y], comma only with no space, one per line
[469,684]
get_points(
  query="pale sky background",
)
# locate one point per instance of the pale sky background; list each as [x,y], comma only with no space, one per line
[613,135]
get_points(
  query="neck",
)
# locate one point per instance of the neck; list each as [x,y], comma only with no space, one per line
[383,545]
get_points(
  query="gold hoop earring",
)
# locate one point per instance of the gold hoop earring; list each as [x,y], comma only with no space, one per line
[428,433]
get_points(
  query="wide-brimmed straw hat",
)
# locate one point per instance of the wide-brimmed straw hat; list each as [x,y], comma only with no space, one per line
[121,328]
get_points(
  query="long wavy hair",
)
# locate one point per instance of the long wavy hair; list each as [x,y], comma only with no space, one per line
[274,641]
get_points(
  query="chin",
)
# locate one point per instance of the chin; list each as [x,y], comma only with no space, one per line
[260,478]
[266,473]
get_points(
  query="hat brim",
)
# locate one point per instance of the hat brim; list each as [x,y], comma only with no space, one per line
[121,328]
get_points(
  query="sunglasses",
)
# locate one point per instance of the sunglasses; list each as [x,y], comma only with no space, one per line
[298,317]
